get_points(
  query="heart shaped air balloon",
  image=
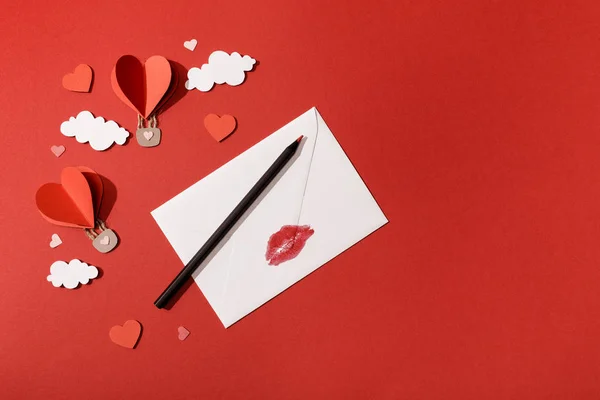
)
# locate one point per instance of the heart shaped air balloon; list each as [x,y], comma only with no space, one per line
[143,87]
[74,201]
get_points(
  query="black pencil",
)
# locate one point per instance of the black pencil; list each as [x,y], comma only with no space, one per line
[226,226]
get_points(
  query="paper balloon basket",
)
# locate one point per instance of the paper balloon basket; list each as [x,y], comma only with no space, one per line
[75,202]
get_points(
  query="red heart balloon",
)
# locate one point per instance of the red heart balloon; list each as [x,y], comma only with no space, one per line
[141,86]
[69,203]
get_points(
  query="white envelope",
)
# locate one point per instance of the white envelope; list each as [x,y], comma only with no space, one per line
[319,187]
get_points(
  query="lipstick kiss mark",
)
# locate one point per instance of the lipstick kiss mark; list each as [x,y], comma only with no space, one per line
[287,243]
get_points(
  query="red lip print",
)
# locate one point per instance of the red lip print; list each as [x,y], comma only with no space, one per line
[287,243]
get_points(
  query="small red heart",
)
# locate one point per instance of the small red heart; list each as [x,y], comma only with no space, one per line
[219,127]
[79,80]
[126,335]
[57,150]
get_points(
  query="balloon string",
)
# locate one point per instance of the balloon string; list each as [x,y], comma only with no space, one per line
[90,233]
[152,122]
[101,225]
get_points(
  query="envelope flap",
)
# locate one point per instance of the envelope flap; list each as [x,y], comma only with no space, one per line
[191,217]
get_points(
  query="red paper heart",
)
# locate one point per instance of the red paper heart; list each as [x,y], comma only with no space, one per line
[126,335]
[219,127]
[57,150]
[79,80]
[141,86]
[74,201]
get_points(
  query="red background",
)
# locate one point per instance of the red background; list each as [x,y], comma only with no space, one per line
[474,123]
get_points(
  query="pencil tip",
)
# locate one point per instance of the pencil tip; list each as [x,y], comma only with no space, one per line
[300,138]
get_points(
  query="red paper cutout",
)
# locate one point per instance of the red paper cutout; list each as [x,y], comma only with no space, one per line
[170,92]
[182,333]
[75,201]
[79,80]
[142,86]
[96,186]
[57,150]
[219,127]
[126,335]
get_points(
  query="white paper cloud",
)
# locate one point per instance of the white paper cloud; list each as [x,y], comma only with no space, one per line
[221,68]
[100,134]
[72,274]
